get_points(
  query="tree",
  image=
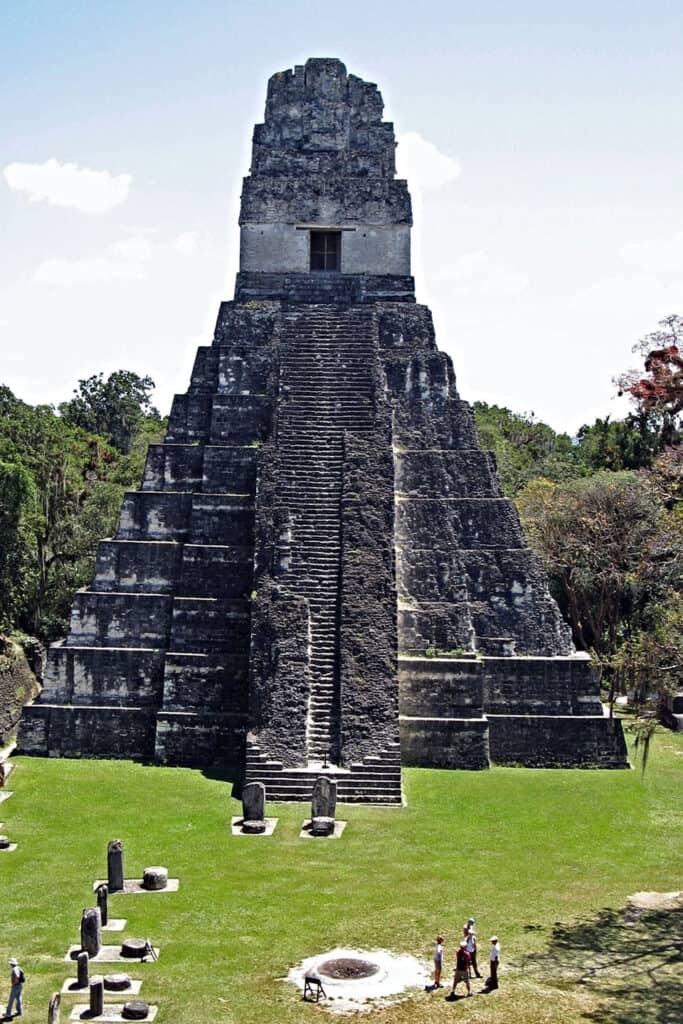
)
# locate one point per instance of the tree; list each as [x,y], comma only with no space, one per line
[61,489]
[596,538]
[630,443]
[659,391]
[613,550]
[524,447]
[115,408]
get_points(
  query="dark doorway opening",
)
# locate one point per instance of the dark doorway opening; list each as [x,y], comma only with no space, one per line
[326,250]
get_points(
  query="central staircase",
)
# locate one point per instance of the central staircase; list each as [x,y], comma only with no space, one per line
[325,390]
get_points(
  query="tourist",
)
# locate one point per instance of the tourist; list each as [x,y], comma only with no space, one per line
[494,961]
[471,939]
[17,979]
[438,961]
[462,969]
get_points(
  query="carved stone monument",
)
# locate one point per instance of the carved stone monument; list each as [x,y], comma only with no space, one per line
[254,808]
[102,893]
[225,617]
[96,996]
[115,876]
[323,806]
[91,931]
[54,1008]
[83,969]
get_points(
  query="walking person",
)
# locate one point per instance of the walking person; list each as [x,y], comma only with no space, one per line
[462,969]
[17,979]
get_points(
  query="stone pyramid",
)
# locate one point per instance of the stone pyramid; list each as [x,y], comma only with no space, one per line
[319,573]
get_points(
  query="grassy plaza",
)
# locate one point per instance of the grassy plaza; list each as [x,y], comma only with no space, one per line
[545,859]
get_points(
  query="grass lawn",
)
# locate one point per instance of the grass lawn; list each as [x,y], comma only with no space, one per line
[545,859]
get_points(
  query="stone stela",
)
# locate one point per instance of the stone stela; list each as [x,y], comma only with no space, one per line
[291,618]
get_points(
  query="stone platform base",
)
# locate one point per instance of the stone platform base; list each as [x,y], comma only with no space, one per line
[134,885]
[10,849]
[70,988]
[5,794]
[114,924]
[112,1012]
[109,955]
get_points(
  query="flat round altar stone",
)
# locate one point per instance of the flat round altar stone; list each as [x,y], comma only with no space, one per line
[133,948]
[136,1009]
[253,828]
[155,878]
[322,826]
[117,982]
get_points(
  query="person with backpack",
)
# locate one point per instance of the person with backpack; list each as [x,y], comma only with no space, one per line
[462,969]
[17,979]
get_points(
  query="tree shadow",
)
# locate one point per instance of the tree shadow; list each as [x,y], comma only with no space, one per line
[631,959]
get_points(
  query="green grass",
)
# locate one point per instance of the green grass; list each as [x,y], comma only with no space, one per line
[537,856]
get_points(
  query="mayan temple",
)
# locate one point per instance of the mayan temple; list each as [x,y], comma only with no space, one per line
[319,572]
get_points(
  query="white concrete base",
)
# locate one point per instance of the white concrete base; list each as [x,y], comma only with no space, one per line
[114,924]
[339,827]
[10,849]
[109,955]
[70,988]
[133,885]
[112,1012]
[236,827]
[5,794]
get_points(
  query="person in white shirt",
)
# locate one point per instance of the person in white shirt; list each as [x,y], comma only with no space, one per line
[494,960]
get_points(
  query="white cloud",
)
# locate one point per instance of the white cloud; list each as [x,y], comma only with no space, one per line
[68,185]
[125,260]
[655,256]
[422,163]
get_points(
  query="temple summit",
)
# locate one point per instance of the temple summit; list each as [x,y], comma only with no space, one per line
[319,573]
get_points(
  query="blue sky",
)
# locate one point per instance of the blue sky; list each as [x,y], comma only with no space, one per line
[550,240]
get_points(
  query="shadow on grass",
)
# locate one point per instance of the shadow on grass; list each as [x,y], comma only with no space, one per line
[226,773]
[632,959]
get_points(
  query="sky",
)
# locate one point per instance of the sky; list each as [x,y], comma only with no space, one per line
[542,145]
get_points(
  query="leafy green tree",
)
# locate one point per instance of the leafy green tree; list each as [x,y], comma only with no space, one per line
[115,408]
[64,491]
[524,447]
[630,443]
[17,514]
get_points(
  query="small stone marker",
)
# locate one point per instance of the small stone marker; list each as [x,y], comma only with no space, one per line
[115,865]
[83,970]
[155,878]
[134,948]
[103,901]
[117,982]
[91,931]
[254,808]
[136,1009]
[53,1008]
[323,806]
[96,996]
[4,842]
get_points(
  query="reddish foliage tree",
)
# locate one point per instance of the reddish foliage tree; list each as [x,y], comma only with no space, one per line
[659,392]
